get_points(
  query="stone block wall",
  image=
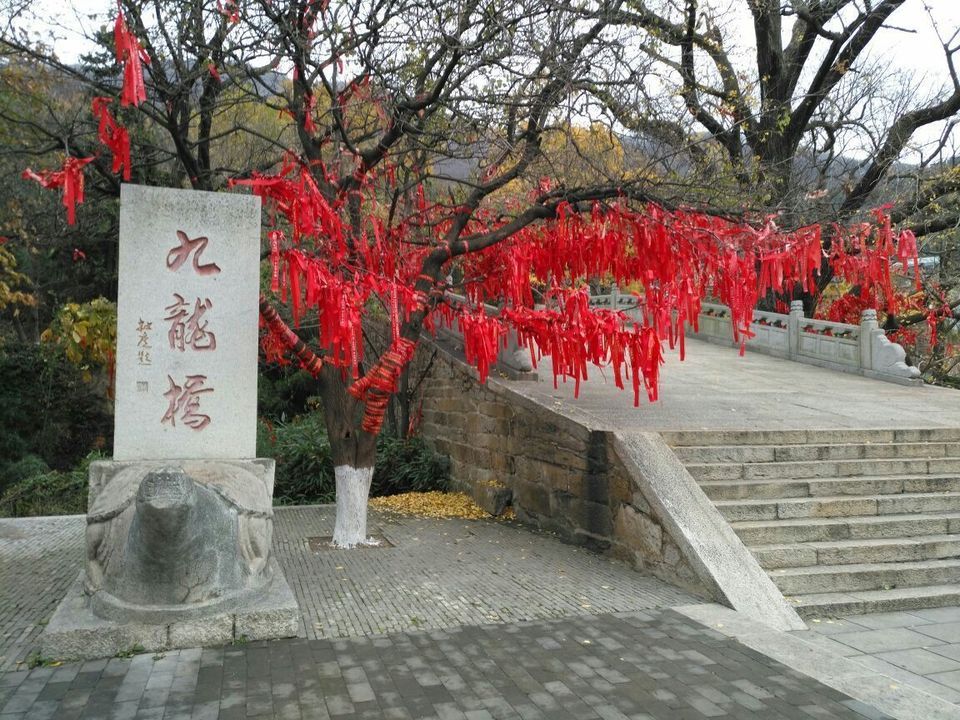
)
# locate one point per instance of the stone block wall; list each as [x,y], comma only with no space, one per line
[565,477]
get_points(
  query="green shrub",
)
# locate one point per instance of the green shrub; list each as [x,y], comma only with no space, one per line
[305,468]
[47,410]
[407,465]
[284,392]
[26,467]
[49,493]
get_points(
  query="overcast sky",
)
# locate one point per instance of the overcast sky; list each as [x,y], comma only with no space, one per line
[916,45]
[910,44]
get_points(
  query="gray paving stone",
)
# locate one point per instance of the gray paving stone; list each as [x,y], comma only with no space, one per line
[920,661]
[874,641]
[938,615]
[499,633]
[880,621]
[948,632]
[951,651]
[950,679]
[925,683]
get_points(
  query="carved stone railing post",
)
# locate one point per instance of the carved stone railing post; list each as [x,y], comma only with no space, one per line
[515,356]
[793,327]
[868,326]
[881,356]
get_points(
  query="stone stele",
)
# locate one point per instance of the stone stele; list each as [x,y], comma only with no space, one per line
[178,555]
[180,523]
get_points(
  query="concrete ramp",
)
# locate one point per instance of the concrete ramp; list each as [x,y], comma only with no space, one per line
[701,533]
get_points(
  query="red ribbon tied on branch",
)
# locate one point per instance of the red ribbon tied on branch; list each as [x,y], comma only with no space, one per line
[131,55]
[113,135]
[907,252]
[70,178]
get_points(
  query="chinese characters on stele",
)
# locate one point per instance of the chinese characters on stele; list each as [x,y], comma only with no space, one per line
[188,331]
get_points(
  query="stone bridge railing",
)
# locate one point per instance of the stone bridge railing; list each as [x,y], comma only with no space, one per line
[863,349]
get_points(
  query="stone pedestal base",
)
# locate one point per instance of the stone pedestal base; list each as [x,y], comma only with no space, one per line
[74,632]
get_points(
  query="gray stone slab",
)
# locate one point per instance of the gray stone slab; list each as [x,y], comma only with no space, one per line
[912,679]
[877,641]
[950,679]
[879,621]
[938,615]
[920,661]
[944,632]
[188,298]
[834,626]
[951,651]
[846,675]
[715,389]
[829,643]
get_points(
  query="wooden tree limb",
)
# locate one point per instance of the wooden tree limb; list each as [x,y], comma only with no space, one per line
[311,362]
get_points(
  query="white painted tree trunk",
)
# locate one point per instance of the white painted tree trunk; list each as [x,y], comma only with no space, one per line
[353,489]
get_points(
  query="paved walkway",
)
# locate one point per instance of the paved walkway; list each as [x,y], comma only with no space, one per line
[920,648]
[439,573]
[460,619]
[716,389]
[654,665]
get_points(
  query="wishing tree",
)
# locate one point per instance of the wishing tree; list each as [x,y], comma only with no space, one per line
[360,217]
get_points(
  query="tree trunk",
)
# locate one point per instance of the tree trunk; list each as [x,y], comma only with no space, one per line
[353,488]
[354,454]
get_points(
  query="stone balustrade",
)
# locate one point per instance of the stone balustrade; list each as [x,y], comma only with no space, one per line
[863,349]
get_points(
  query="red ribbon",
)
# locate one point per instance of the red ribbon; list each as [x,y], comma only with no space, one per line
[70,179]
[113,135]
[131,55]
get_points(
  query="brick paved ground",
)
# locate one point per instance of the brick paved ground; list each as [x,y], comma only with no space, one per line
[440,573]
[39,558]
[645,665]
[459,619]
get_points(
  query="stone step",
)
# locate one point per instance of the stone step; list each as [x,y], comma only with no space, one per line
[801,530]
[701,454]
[865,576]
[838,506]
[818,487]
[823,469]
[834,604]
[854,552]
[685,438]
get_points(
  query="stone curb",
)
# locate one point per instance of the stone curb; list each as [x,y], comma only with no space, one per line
[706,540]
[845,675]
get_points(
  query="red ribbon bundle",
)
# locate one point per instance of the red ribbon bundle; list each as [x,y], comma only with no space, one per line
[113,135]
[131,55]
[674,258]
[375,388]
[70,178]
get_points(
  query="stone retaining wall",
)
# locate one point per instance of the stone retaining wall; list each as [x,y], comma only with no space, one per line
[565,477]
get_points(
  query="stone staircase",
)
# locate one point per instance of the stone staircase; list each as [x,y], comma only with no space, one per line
[843,521]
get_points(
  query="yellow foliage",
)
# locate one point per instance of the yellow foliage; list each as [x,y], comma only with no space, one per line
[10,280]
[433,505]
[86,335]
[572,156]
[583,155]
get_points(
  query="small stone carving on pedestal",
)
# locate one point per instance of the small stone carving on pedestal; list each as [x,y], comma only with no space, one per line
[180,522]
